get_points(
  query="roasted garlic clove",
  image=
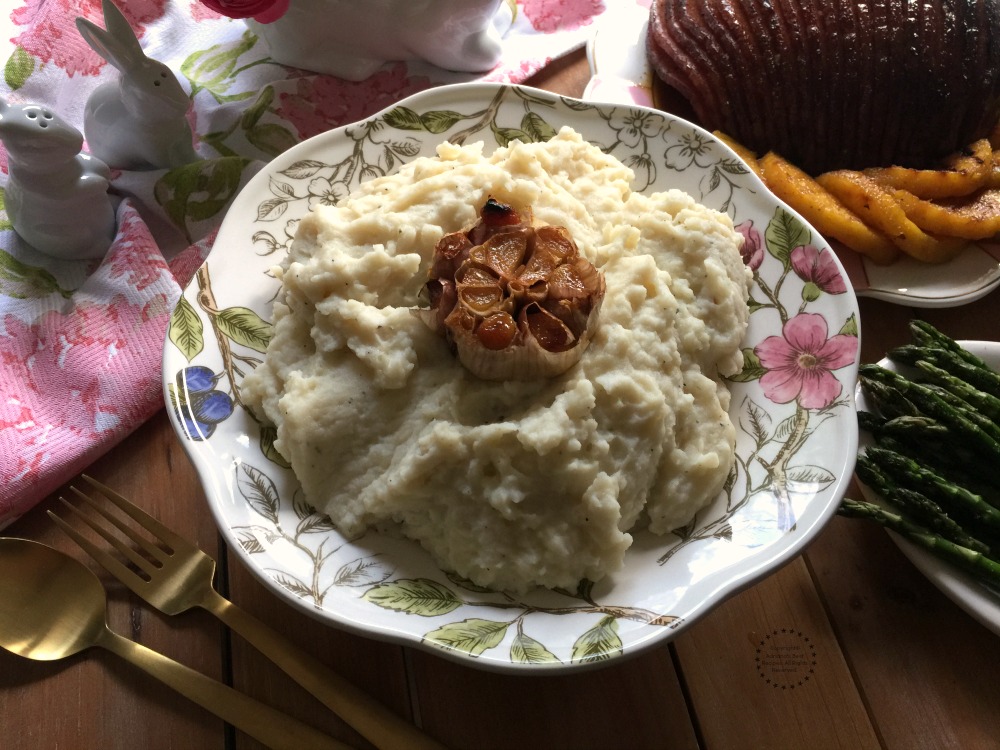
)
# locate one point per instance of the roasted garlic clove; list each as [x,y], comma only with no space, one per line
[516,301]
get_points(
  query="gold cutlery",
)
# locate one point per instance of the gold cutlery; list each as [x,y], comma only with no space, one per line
[177,576]
[53,606]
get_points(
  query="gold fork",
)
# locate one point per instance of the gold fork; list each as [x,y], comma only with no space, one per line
[181,579]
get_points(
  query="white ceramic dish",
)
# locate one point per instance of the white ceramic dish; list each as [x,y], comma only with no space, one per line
[352,40]
[793,462]
[620,74]
[968,593]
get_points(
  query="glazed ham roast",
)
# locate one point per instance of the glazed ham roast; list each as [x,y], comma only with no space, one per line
[835,84]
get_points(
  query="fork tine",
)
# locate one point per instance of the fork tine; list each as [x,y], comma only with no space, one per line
[151,549]
[171,539]
[123,573]
[136,559]
[148,547]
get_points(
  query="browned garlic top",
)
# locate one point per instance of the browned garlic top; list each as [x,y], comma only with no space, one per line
[518,302]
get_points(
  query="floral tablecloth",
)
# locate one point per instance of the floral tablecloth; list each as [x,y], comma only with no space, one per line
[81,341]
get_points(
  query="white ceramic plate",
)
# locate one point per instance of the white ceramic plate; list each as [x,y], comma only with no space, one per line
[793,462]
[968,593]
[621,74]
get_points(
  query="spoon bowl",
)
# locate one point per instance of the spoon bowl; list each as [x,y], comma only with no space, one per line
[53,606]
[51,609]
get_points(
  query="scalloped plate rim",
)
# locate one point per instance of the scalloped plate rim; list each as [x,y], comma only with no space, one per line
[779,552]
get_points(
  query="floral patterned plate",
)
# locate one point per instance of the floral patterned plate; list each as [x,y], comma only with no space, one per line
[617,56]
[979,600]
[793,403]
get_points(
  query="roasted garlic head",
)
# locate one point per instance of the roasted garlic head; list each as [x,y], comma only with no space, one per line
[518,302]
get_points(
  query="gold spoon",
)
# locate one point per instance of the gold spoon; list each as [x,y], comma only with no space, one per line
[53,606]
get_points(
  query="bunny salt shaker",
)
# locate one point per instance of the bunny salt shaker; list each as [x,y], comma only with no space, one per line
[56,197]
[137,122]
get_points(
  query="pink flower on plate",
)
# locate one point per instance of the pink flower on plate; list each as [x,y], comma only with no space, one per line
[753,246]
[819,270]
[800,362]
[323,102]
[548,16]
[50,34]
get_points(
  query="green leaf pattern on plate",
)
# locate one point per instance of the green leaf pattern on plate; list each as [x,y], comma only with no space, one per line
[420,596]
[425,597]
[243,326]
[186,331]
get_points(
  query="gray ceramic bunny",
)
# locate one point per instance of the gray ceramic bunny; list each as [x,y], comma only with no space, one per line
[137,122]
[56,197]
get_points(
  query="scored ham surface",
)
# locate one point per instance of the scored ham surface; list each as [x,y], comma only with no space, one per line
[839,84]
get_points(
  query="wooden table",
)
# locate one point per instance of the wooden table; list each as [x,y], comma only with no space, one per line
[847,646]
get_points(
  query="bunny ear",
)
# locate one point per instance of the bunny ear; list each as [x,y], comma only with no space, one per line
[118,26]
[118,45]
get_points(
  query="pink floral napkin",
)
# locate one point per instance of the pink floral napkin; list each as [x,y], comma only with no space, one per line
[81,341]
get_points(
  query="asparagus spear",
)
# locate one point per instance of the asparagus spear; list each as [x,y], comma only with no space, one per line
[870,421]
[927,335]
[947,459]
[917,505]
[927,435]
[974,562]
[931,404]
[937,446]
[923,437]
[905,472]
[982,378]
[963,407]
[981,401]
[889,401]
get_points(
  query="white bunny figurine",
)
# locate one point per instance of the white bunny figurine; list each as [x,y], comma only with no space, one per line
[137,122]
[56,197]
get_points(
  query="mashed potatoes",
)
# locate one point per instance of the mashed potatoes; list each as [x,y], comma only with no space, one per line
[510,484]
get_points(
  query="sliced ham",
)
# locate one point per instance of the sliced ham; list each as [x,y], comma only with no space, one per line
[839,84]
